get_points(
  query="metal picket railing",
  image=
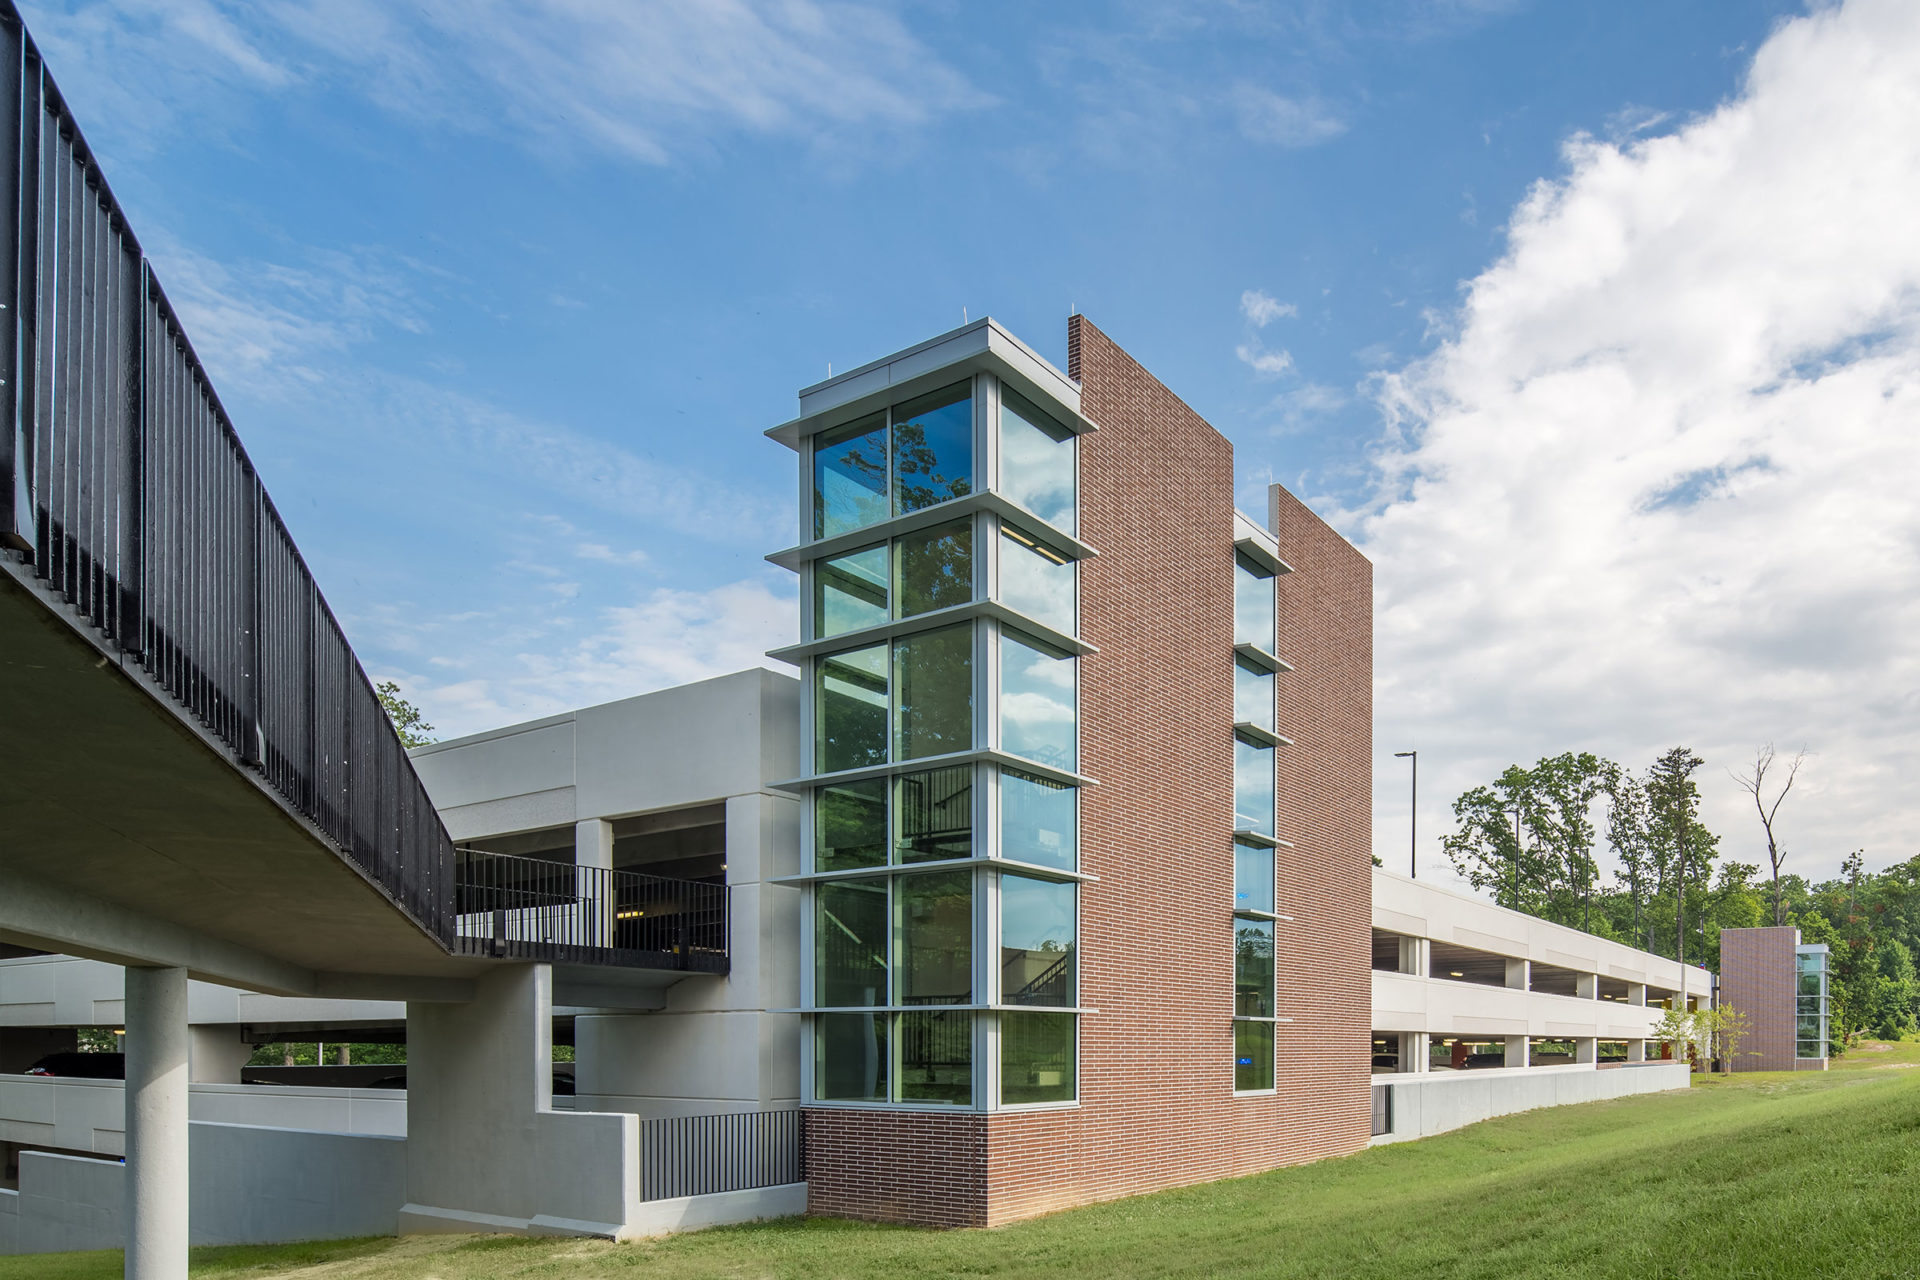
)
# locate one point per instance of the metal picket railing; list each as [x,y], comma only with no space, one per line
[705,1155]
[534,909]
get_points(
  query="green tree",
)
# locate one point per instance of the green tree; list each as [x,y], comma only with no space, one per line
[1683,848]
[408,723]
[1488,846]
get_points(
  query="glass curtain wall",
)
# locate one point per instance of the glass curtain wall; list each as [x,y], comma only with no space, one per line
[896,976]
[1810,1004]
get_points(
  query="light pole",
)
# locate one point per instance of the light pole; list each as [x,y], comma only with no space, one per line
[1413,815]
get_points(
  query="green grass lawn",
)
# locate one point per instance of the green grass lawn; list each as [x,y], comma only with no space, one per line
[1775,1175]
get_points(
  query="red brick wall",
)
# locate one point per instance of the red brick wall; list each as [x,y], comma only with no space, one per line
[1757,977]
[1324,802]
[1157,1107]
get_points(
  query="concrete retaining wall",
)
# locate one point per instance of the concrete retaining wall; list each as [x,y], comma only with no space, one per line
[89,1115]
[1426,1103]
[249,1186]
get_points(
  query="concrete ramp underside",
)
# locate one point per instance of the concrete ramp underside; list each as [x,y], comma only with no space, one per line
[110,793]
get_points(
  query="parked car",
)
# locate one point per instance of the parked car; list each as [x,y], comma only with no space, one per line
[82,1066]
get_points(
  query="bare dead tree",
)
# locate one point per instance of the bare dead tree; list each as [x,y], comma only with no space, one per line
[1755,785]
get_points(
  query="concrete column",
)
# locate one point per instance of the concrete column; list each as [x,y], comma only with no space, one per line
[158,1054]
[1413,1051]
[1410,958]
[1637,1049]
[1589,987]
[1517,974]
[1517,1048]
[593,847]
[1637,994]
[1586,1050]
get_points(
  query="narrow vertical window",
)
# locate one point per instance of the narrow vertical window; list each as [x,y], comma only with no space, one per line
[1037,581]
[1039,719]
[850,476]
[934,931]
[1037,1058]
[1252,788]
[933,449]
[1252,877]
[933,814]
[935,568]
[850,699]
[1037,922]
[1036,460]
[933,688]
[850,943]
[850,825]
[1252,695]
[1253,604]
[1038,820]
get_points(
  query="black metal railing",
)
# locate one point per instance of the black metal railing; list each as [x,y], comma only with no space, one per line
[1382,1110]
[704,1155]
[124,485]
[534,909]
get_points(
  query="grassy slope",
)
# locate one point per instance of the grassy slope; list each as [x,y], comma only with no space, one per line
[1763,1175]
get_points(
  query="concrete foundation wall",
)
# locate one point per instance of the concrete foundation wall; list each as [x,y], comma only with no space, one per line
[1426,1104]
[248,1186]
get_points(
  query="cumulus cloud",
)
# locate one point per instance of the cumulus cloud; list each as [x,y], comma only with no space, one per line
[1262,309]
[1656,484]
[1266,363]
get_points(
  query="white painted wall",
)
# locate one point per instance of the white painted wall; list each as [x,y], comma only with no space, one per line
[1426,1104]
[62,991]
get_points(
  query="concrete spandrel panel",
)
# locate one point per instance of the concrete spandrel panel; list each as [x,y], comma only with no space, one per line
[534,811]
[519,760]
[689,745]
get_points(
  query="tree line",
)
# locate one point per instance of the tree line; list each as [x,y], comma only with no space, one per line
[1532,838]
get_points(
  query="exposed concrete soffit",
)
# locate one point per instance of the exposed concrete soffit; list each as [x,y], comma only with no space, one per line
[51,918]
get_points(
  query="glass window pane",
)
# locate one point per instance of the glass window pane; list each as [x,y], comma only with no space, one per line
[935,931]
[1252,1055]
[1038,821]
[936,1057]
[1252,696]
[850,825]
[1036,942]
[850,1057]
[1036,460]
[1253,968]
[933,674]
[849,592]
[1036,1057]
[936,568]
[1037,704]
[933,448]
[1253,604]
[851,700]
[850,476]
[934,814]
[1252,877]
[1036,581]
[1252,788]
[850,943]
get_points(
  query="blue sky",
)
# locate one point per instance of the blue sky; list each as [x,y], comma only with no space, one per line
[501,296]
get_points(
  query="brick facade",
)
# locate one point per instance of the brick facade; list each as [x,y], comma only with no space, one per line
[1758,977]
[1157,1107]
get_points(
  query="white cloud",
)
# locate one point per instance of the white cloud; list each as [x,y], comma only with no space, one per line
[1262,309]
[1266,116]
[1268,364]
[668,637]
[642,81]
[1657,484]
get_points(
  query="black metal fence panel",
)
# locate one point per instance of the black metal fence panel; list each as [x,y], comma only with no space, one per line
[705,1155]
[535,909]
[123,483]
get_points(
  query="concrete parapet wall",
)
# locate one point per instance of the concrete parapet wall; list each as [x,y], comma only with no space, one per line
[88,1115]
[249,1185]
[1426,1103]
